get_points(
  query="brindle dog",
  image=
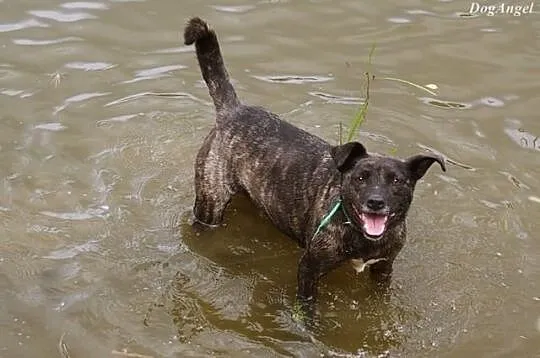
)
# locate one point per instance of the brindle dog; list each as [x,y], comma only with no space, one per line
[297,178]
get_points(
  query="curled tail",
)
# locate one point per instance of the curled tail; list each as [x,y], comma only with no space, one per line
[211,63]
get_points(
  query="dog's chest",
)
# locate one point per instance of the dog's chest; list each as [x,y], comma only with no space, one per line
[360,265]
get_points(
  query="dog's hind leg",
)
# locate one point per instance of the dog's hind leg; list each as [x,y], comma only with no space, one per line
[211,199]
[212,190]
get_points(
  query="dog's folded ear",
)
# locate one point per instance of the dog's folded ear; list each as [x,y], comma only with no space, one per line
[419,164]
[346,155]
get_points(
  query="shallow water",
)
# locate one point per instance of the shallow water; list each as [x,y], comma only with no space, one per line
[102,111]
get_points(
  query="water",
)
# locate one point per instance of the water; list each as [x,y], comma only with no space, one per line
[103,110]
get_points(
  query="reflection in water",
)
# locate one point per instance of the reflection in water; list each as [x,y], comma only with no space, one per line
[188,313]
[251,291]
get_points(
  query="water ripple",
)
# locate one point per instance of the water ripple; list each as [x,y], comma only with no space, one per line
[491,102]
[181,49]
[331,98]
[79,98]
[85,96]
[465,15]
[118,119]
[153,73]
[523,138]
[24,24]
[85,5]
[72,299]
[143,94]
[239,9]
[90,66]
[420,12]
[399,20]
[78,216]
[54,127]
[294,79]
[15,93]
[486,101]
[62,16]
[30,42]
[445,104]
[70,252]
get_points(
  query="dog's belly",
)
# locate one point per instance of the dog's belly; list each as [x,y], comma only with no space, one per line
[282,217]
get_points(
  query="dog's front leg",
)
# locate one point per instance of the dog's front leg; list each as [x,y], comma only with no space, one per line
[316,262]
[381,273]
[309,274]
[381,270]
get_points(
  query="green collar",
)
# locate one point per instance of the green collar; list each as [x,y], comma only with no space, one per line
[326,219]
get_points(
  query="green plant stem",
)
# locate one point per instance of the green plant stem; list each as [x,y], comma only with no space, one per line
[360,116]
[410,83]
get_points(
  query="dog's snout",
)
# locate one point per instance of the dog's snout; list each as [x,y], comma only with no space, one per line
[375,202]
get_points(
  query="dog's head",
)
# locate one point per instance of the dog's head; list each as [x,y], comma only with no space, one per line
[377,190]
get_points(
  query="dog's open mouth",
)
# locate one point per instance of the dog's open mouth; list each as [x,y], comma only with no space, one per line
[374,224]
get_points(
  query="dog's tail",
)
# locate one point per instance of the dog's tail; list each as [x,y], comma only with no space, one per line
[211,63]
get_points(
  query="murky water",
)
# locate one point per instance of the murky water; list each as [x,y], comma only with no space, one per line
[102,111]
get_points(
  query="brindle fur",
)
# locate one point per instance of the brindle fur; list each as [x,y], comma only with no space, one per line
[296,177]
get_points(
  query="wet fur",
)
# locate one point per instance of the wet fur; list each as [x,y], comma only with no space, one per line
[296,177]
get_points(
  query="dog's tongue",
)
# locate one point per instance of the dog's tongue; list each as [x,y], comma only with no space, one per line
[374,224]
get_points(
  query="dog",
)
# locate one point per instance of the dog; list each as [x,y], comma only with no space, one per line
[340,203]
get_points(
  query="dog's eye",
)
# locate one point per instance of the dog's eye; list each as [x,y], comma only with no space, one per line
[362,177]
[397,180]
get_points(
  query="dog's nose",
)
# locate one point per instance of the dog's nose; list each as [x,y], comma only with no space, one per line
[375,202]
